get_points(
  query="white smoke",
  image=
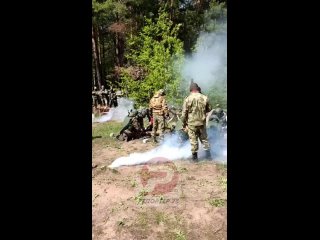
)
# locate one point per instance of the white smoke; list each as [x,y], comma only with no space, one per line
[171,149]
[208,64]
[117,114]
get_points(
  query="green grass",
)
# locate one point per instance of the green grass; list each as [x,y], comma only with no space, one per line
[180,235]
[143,219]
[133,183]
[141,196]
[174,226]
[105,129]
[217,202]
[101,133]
[161,217]
[223,183]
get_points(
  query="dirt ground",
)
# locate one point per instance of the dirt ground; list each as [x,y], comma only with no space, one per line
[193,207]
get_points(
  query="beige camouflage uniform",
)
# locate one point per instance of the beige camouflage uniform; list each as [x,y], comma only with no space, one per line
[159,109]
[195,107]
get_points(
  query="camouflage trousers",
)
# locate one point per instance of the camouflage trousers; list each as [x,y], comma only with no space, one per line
[105,101]
[158,122]
[196,132]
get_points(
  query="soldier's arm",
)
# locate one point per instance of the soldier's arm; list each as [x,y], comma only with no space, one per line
[165,107]
[149,115]
[208,106]
[150,106]
[184,116]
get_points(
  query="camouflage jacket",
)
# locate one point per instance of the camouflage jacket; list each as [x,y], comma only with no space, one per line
[158,105]
[194,110]
[95,94]
[103,93]
[112,95]
[136,124]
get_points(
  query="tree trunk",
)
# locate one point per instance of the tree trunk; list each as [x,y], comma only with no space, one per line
[99,53]
[171,10]
[119,50]
[103,63]
[96,60]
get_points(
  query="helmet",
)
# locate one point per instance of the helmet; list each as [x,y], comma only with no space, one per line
[219,111]
[143,113]
[133,113]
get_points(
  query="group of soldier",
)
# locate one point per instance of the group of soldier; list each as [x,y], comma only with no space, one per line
[104,97]
[195,109]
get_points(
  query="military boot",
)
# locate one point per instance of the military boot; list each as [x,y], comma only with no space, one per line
[195,156]
[208,155]
[154,139]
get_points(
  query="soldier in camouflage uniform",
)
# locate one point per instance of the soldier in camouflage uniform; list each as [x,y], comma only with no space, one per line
[142,114]
[134,129]
[95,97]
[219,115]
[113,98]
[195,108]
[103,93]
[159,109]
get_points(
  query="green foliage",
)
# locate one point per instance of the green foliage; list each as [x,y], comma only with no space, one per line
[215,17]
[157,35]
[159,52]
[218,94]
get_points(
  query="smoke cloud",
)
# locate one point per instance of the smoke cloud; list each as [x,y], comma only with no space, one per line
[208,64]
[117,114]
[172,150]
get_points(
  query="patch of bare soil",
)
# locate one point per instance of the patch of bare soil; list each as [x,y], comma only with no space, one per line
[122,207]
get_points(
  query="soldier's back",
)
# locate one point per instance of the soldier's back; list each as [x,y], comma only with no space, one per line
[196,105]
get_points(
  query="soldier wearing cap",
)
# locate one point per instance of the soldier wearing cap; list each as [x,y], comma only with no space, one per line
[159,109]
[194,111]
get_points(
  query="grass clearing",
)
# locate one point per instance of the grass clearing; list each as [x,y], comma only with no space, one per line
[101,133]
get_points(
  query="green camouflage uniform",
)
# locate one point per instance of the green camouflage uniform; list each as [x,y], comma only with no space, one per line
[195,107]
[104,97]
[95,98]
[133,129]
[159,109]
